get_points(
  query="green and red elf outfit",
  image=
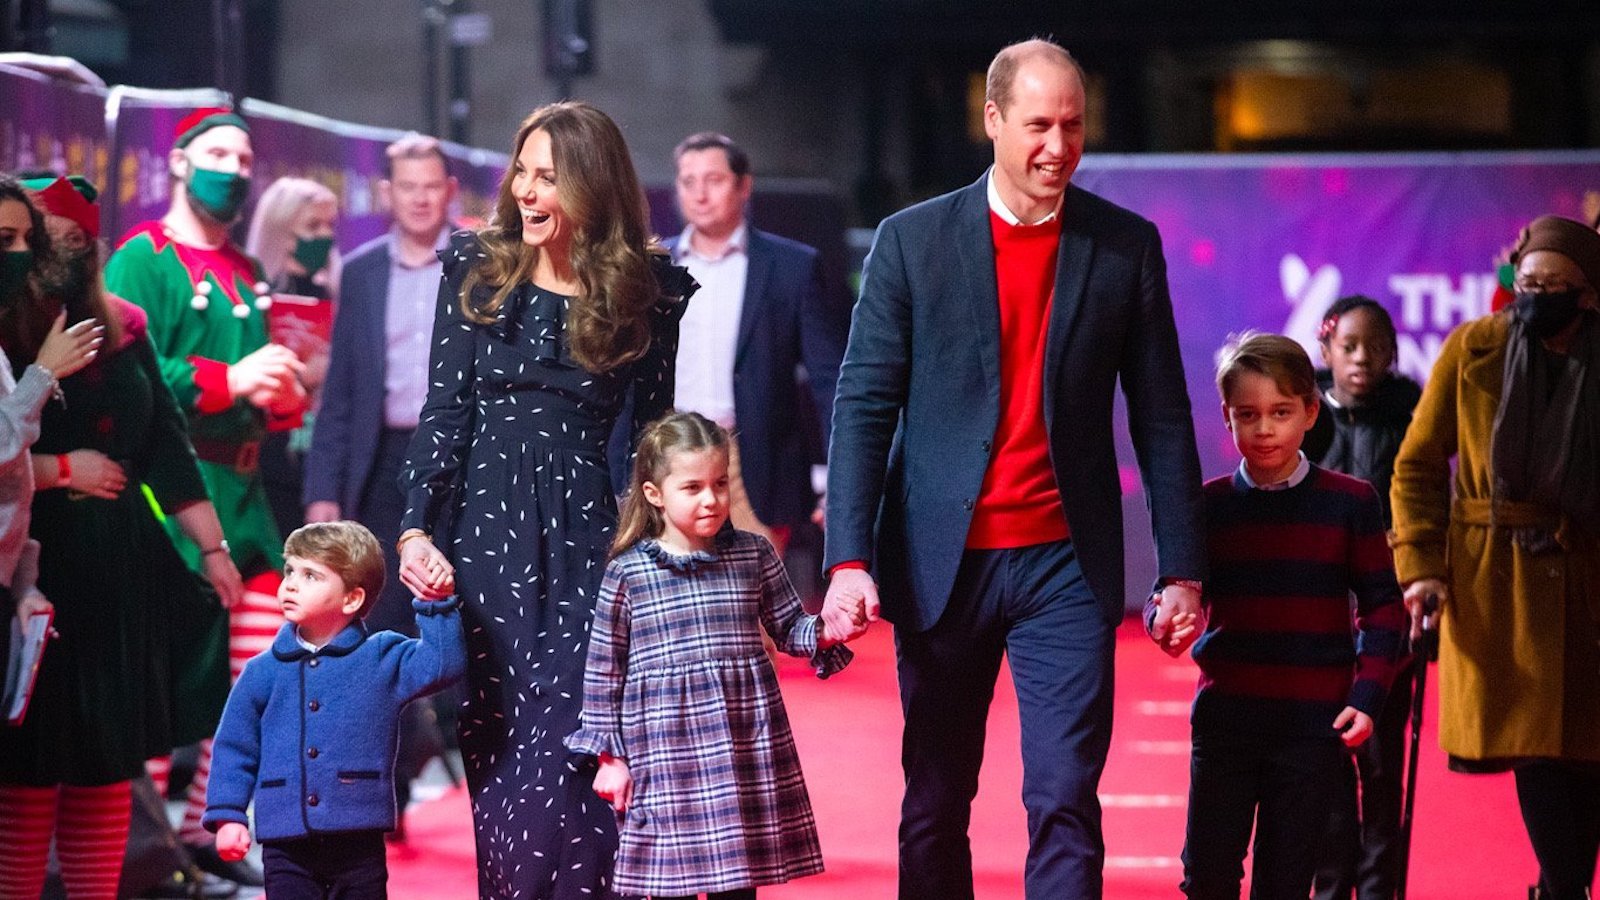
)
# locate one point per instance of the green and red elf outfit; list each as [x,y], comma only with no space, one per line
[207,310]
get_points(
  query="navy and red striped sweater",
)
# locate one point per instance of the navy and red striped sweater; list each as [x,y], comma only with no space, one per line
[1277,655]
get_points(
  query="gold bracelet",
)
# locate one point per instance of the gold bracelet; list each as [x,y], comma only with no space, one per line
[413,533]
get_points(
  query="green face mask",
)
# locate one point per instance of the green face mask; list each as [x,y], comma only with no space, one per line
[219,195]
[14,268]
[312,252]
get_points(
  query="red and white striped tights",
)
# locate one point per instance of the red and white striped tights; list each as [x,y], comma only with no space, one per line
[90,826]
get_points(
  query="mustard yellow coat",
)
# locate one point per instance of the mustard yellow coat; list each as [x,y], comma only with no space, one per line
[1519,658]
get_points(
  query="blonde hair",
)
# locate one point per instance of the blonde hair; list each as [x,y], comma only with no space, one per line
[1273,355]
[347,548]
[278,213]
[608,322]
[677,432]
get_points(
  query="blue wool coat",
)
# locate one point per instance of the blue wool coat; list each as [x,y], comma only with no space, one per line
[312,736]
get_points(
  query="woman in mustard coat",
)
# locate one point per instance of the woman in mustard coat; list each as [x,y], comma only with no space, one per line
[1512,547]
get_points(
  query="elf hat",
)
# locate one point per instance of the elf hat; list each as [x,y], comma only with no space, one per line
[71,197]
[204,119]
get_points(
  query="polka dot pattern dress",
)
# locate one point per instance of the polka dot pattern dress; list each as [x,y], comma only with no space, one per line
[508,472]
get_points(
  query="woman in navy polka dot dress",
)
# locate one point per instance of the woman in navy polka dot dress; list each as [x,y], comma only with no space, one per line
[548,319]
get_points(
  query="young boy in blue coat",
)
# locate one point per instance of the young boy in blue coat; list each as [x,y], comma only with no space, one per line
[310,728]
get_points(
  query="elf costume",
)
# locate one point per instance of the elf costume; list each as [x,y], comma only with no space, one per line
[207,310]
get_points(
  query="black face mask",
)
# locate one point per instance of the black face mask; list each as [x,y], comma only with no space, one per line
[1547,312]
[69,276]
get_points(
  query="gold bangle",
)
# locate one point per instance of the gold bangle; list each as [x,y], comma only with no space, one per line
[413,533]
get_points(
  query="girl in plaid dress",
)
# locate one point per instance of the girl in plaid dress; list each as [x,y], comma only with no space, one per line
[681,704]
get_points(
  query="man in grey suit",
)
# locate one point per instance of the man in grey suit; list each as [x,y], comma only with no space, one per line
[973,475]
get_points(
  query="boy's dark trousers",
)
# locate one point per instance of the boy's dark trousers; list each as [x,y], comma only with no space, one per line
[1282,785]
[1361,849]
[348,865]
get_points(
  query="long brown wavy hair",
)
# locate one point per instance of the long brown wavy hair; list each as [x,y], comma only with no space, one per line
[677,432]
[608,322]
[24,327]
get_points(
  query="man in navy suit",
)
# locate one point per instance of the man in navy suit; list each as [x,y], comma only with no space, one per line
[973,478]
[759,314]
[377,374]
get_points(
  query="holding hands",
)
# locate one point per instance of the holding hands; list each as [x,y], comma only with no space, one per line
[423,568]
[1177,622]
[850,607]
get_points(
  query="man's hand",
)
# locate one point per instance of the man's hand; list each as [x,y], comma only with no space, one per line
[614,783]
[1416,598]
[233,841]
[264,374]
[851,604]
[1354,727]
[323,511]
[1177,621]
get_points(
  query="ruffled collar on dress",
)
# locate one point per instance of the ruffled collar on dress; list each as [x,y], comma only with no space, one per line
[686,562]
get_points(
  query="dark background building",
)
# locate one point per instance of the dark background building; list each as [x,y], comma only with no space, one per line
[876,101]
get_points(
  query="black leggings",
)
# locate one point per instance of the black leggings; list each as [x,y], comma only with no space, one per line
[1561,810]
[741,894]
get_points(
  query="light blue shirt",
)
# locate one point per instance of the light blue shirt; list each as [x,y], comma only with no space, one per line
[1298,475]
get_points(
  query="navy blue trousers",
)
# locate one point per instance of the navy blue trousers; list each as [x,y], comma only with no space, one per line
[1280,785]
[1032,606]
[346,865]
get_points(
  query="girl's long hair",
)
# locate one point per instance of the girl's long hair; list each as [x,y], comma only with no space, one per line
[608,322]
[678,432]
[272,228]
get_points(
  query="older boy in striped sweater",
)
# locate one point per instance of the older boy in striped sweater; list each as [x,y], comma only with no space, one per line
[1284,688]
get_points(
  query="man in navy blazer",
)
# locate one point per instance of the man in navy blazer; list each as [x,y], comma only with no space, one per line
[759,314]
[973,474]
[377,373]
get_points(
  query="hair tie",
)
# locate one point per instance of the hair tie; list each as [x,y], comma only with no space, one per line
[1327,328]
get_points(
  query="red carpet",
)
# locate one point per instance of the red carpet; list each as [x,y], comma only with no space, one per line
[1469,842]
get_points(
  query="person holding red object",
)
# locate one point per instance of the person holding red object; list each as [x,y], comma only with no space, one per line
[206,301]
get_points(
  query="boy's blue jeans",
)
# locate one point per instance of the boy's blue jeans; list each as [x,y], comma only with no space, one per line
[346,865]
[1282,786]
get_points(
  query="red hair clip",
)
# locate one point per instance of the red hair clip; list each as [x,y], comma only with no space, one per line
[1327,328]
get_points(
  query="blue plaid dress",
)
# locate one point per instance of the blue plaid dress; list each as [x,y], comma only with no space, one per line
[679,685]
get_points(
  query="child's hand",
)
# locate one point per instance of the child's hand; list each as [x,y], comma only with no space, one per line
[614,783]
[233,841]
[844,606]
[1176,623]
[1181,633]
[1354,727]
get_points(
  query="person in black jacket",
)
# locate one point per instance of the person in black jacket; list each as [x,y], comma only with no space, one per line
[1366,407]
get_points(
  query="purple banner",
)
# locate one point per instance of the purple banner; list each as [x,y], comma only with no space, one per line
[1269,242]
[52,125]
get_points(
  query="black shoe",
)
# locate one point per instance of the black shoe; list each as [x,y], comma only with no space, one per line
[240,873]
[208,887]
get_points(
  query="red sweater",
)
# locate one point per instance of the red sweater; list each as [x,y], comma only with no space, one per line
[1019,503]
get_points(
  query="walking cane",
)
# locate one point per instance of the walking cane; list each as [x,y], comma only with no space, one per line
[1425,649]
